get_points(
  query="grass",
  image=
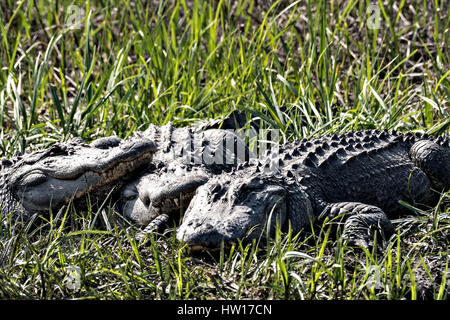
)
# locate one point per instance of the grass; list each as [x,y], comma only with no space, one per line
[96,68]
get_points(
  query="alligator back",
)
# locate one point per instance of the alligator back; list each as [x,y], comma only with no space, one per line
[215,150]
[371,167]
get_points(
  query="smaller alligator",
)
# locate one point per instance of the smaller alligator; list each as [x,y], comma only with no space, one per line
[185,159]
[357,176]
[48,179]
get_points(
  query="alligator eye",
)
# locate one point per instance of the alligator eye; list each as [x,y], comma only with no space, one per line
[57,150]
[130,195]
[245,191]
[251,186]
[106,142]
[33,179]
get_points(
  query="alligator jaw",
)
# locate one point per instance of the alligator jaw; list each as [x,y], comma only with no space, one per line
[154,194]
[85,159]
[44,181]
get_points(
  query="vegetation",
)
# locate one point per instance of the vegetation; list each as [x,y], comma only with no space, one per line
[99,68]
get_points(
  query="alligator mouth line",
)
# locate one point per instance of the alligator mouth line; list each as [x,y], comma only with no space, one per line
[111,174]
[103,171]
[106,170]
[172,204]
[90,180]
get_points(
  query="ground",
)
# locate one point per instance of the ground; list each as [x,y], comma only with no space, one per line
[94,69]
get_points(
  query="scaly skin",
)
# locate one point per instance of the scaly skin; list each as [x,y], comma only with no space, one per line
[185,159]
[361,175]
[48,179]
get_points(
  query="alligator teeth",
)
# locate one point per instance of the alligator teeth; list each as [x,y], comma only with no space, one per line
[176,201]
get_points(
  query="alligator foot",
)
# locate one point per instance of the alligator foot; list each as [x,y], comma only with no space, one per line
[434,160]
[361,221]
[159,224]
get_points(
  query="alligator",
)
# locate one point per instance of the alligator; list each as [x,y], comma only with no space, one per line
[163,165]
[355,179]
[185,159]
[44,180]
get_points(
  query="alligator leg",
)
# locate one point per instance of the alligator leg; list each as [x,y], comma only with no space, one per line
[158,224]
[434,160]
[361,220]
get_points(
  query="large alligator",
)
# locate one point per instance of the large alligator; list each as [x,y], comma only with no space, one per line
[185,159]
[48,179]
[357,176]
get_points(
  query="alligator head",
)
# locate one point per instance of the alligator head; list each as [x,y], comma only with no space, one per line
[47,179]
[171,181]
[165,191]
[243,206]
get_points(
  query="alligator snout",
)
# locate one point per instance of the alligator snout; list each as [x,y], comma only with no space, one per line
[205,235]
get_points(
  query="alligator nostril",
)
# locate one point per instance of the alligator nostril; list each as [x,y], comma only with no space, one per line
[145,198]
[216,188]
[196,224]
